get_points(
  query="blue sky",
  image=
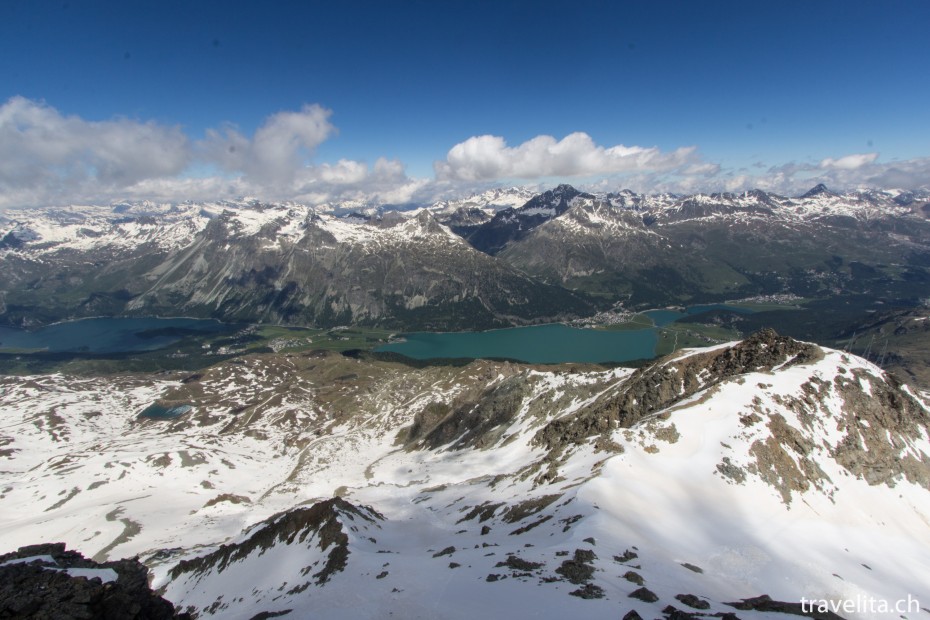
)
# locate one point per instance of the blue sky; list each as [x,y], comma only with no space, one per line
[701,95]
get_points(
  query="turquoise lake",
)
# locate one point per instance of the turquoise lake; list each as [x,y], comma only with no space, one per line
[552,343]
[547,344]
[109,335]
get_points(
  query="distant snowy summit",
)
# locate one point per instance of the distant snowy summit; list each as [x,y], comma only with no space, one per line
[83,226]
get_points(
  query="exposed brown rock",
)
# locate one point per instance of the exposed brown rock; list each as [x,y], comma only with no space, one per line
[672,380]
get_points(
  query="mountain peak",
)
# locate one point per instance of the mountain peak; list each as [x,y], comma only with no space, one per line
[818,190]
[558,198]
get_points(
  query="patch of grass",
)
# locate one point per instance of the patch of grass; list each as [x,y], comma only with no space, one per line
[364,338]
[688,335]
[758,306]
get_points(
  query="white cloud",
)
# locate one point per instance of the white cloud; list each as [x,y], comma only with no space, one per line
[41,150]
[50,158]
[385,183]
[705,169]
[343,172]
[909,174]
[849,162]
[795,178]
[278,151]
[489,157]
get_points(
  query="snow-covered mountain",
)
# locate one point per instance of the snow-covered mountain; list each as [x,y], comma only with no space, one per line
[464,215]
[664,249]
[514,223]
[249,261]
[256,262]
[349,487]
[656,209]
[491,201]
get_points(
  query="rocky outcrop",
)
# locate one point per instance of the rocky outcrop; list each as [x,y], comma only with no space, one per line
[765,603]
[877,451]
[320,524]
[48,581]
[881,424]
[670,381]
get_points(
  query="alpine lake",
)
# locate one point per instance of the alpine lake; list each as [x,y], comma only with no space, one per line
[143,340]
[638,339]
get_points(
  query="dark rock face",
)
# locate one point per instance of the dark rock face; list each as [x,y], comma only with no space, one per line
[693,601]
[663,384]
[41,589]
[579,569]
[447,551]
[466,220]
[644,594]
[634,577]
[817,190]
[10,241]
[765,603]
[627,556]
[517,563]
[589,590]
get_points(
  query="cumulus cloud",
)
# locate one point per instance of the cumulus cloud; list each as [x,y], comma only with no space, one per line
[488,157]
[384,183]
[343,172]
[49,158]
[849,162]
[41,148]
[277,152]
[857,170]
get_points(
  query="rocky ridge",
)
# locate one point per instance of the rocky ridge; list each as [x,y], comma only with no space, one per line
[46,581]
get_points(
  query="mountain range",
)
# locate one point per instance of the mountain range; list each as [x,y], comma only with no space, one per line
[475,263]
